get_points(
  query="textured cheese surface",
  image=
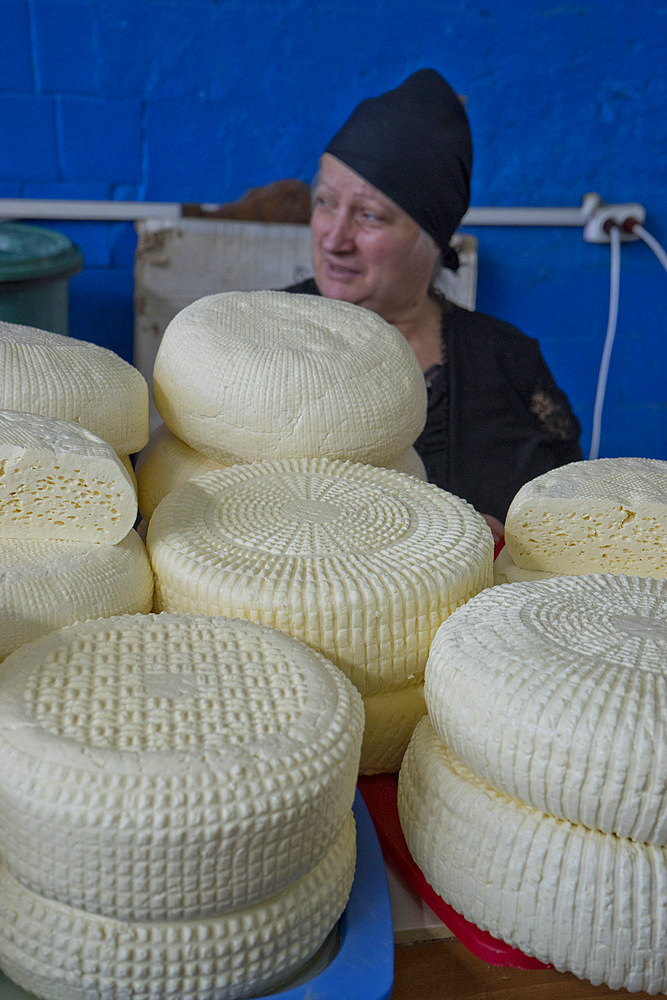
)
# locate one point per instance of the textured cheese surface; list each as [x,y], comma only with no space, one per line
[584,901]
[390,720]
[47,584]
[57,480]
[361,563]
[71,379]
[61,953]
[608,515]
[168,766]
[506,571]
[243,376]
[167,462]
[555,692]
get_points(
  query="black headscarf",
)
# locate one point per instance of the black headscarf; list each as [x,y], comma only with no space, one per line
[413,143]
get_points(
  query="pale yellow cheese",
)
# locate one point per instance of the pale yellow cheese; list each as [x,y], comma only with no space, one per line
[584,901]
[58,480]
[58,376]
[506,571]
[608,515]
[166,462]
[61,953]
[361,563]
[46,584]
[242,376]
[555,692]
[390,720]
[169,767]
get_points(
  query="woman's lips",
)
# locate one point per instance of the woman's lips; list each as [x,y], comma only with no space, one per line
[340,272]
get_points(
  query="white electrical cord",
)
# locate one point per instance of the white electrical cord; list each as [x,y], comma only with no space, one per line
[652,243]
[614,283]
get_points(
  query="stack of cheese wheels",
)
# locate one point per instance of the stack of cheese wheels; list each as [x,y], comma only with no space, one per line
[175,808]
[56,376]
[533,795]
[361,563]
[166,462]
[606,515]
[67,544]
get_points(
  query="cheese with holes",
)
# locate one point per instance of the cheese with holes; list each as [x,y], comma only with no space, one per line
[608,515]
[243,376]
[57,376]
[62,953]
[584,901]
[165,767]
[45,584]
[506,571]
[166,462]
[361,563]
[57,480]
[390,720]
[555,692]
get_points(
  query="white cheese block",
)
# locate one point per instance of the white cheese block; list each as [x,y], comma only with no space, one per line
[607,515]
[361,563]
[586,902]
[70,379]
[506,571]
[126,462]
[243,376]
[58,480]
[166,462]
[46,584]
[390,720]
[61,953]
[162,767]
[555,692]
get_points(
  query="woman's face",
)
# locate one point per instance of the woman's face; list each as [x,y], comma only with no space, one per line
[366,249]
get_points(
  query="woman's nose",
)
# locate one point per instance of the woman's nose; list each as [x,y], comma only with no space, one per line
[338,234]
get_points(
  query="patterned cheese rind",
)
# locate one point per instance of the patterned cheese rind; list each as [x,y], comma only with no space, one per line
[57,376]
[390,720]
[47,584]
[252,375]
[584,901]
[555,692]
[361,563]
[167,462]
[607,515]
[61,953]
[57,480]
[169,766]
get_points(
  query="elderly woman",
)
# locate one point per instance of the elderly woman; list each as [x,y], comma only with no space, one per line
[393,186]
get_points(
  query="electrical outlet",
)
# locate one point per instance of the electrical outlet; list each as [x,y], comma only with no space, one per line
[596,228]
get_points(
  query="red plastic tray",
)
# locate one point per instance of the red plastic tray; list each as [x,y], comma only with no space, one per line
[379,794]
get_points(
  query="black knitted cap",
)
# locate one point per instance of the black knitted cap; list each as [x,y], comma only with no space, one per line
[413,143]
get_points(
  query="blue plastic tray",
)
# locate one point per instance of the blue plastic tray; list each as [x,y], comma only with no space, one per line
[363,965]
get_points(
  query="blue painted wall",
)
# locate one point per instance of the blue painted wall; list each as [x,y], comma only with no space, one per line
[199,100]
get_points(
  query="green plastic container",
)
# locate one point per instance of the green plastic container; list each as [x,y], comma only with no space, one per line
[35,267]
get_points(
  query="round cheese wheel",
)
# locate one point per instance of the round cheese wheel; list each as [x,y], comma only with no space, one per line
[243,376]
[61,481]
[361,563]
[555,692]
[47,584]
[606,515]
[61,953]
[584,901]
[158,767]
[166,462]
[75,380]
[390,720]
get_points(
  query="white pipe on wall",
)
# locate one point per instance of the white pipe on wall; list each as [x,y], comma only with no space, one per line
[129,211]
